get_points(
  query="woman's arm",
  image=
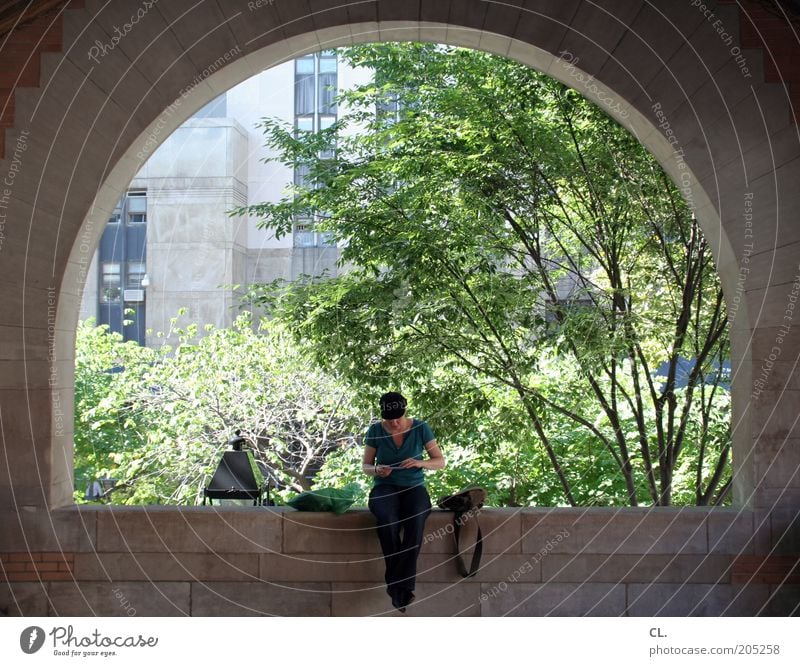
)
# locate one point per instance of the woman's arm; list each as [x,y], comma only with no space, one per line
[369,466]
[435,458]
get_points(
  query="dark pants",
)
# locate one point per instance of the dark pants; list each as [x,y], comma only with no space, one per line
[397,507]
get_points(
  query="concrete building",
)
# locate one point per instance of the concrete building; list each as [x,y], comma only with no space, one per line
[170,243]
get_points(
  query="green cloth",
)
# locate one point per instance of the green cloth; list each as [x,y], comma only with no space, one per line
[337,500]
[414,443]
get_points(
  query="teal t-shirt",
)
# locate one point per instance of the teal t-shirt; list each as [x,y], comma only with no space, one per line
[414,441]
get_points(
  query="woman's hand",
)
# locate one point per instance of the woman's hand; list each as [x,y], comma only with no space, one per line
[382,471]
[412,463]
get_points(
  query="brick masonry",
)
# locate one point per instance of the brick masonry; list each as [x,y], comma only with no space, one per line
[33,566]
[259,561]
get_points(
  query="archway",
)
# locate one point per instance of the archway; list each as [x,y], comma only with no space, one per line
[673,74]
[563,65]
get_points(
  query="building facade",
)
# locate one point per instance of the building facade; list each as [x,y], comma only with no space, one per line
[171,244]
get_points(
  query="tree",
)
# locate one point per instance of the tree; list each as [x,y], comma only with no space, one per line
[106,369]
[500,229]
[159,421]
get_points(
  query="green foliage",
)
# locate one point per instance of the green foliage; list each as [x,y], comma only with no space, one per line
[161,422]
[521,265]
[106,424]
[517,264]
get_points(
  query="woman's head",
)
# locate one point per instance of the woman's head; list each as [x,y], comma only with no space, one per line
[393,405]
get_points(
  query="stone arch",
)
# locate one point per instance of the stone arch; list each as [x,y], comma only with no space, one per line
[100,102]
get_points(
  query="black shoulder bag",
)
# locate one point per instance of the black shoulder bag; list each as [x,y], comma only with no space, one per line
[466,503]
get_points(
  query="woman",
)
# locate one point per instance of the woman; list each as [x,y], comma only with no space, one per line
[399,499]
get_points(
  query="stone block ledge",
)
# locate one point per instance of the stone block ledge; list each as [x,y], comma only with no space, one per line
[219,560]
[283,530]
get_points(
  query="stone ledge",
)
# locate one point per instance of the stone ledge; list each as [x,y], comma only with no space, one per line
[637,568]
[552,599]
[278,599]
[369,568]
[23,599]
[432,599]
[644,531]
[684,600]
[784,601]
[731,531]
[314,532]
[189,529]
[687,530]
[109,599]
[186,567]
[39,530]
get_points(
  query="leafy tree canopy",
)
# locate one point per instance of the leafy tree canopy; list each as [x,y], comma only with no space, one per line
[520,264]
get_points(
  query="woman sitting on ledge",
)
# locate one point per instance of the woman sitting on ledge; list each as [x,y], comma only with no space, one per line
[399,499]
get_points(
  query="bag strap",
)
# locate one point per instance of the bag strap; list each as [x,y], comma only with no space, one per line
[477,553]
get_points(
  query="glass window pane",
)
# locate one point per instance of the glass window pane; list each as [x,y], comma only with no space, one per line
[110,291]
[303,233]
[137,204]
[326,238]
[304,94]
[305,65]
[301,178]
[115,218]
[327,93]
[137,218]
[327,65]
[136,271]
[306,124]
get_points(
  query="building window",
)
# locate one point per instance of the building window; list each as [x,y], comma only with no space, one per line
[303,233]
[111,282]
[326,85]
[137,207]
[122,257]
[302,175]
[304,124]
[325,239]
[316,82]
[136,271]
[116,214]
[137,202]
[304,85]
[324,123]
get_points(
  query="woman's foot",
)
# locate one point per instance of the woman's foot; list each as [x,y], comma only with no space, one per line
[401,599]
[398,601]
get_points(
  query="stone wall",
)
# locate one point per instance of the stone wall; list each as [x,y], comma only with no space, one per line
[277,561]
[662,68]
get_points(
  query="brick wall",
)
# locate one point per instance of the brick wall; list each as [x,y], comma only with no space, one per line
[33,566]
[251,560]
